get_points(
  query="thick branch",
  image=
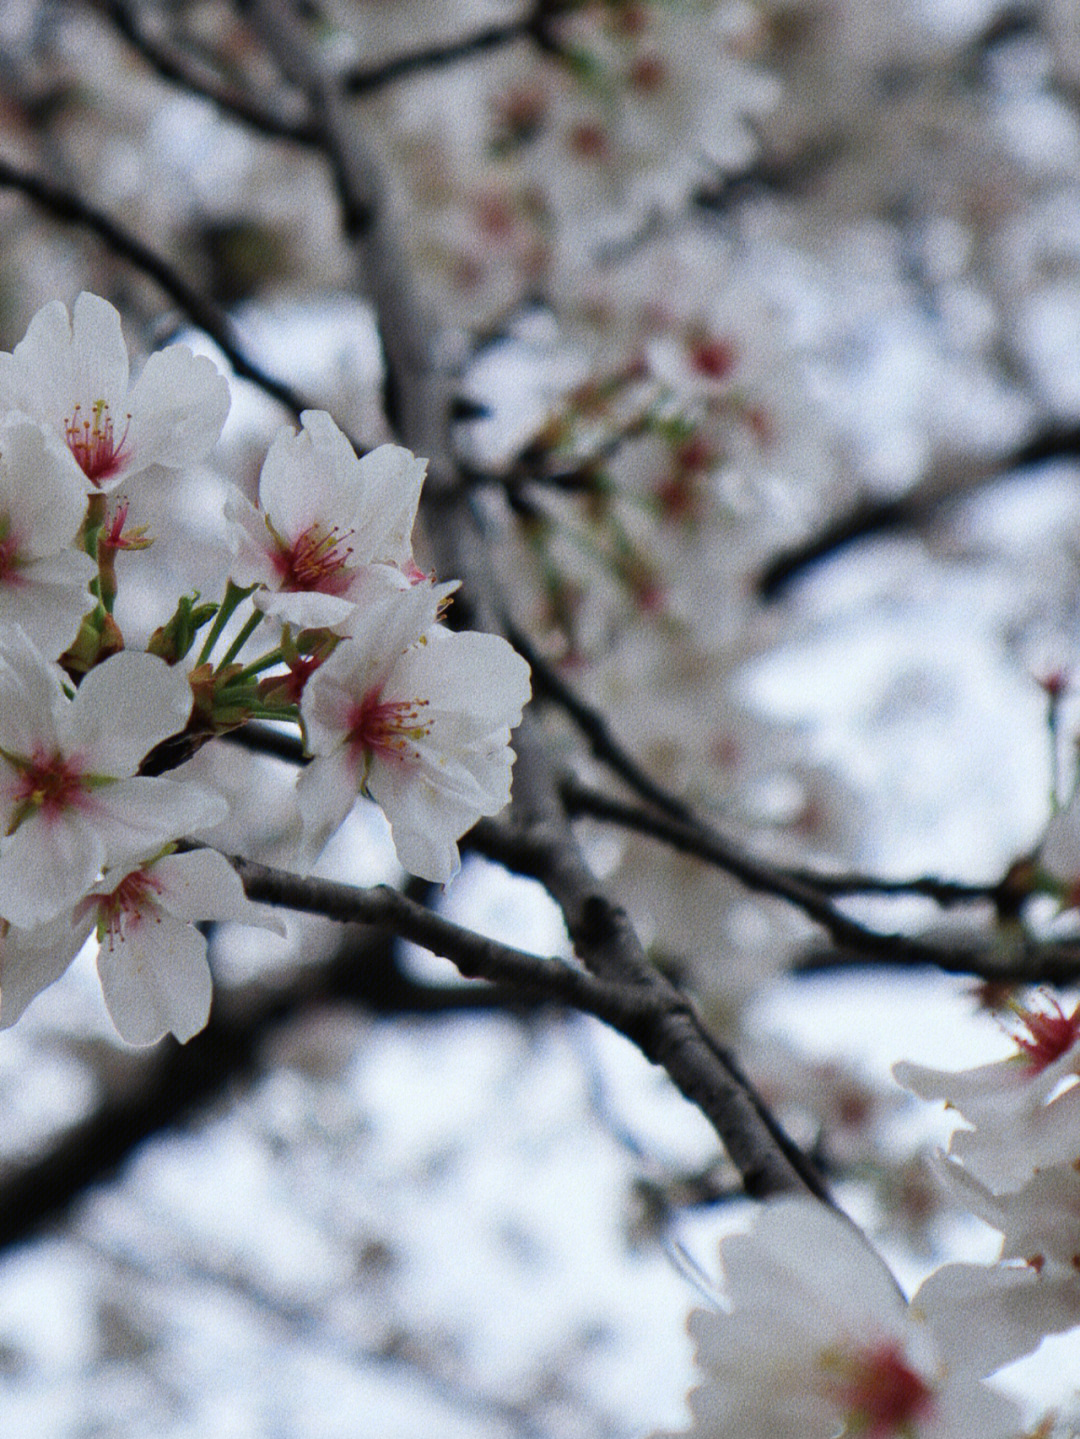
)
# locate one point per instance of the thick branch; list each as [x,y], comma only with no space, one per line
[603,936]
[161,1087]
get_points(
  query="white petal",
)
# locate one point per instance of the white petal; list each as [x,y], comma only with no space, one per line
[202,885]
[32,959]
[178,406]
[42,489]
[311,477]
[156,979]
[34,711]
[477,674]
[99,358]
[392,479]
[985,1316]
[325,792]
[47,865]
[50,600]
[127,705]
[304,609]
[135,817]
[425,822]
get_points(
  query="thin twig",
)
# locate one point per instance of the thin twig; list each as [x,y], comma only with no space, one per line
[70,208]
[176,65]
[914,510]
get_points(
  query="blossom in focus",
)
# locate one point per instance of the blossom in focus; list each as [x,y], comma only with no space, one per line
[329,525]
[152,959]
[418,718]
[1025,1109]
[70,798]
[71,373]
[817,1340]
[43,580]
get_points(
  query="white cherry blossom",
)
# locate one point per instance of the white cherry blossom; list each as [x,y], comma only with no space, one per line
[817,1340]
[1025,1109]
[998,1313]
[152,960]
[70,798]
[43,580]
[72,374]
[329,526]
[419,719]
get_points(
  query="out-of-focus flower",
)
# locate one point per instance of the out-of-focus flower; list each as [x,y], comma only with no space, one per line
[419,719]
[72,374]
[152,960]
[997,1313]
[1025,1109]
[329,527]
[818,1340]
[70,798]
[43,581]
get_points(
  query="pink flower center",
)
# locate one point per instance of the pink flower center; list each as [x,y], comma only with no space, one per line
[389,728]
[94,444]
[129,903]
[48,784]
[1050,1032]
[9,554]
[880,1394]
[318,559]
[714,359]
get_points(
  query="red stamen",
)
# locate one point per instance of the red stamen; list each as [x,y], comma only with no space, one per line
[94,444]
[1050,1032]
[389,728]
[127,905]
[880,1394]
[318,559]
[50,784]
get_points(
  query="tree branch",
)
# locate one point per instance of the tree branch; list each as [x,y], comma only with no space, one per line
[162,1087]
[71,209]
[669,1031]
[914,510]
[176,65]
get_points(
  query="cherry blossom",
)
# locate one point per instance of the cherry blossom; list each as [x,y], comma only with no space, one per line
[817,1340]
[72,374]
[152,960]
[998,1313]
[1033,1094]
[43,580]
[70,798]
[329,526]
[418,718]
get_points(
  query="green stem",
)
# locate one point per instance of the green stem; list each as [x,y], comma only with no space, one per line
[253,623]
[233,595]
[275,657]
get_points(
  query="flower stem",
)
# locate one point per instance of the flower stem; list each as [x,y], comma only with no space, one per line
[253,623]
[233,595]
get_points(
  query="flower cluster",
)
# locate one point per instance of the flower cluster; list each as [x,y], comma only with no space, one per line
[815,1339]
[1018,1168]
[95,836]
